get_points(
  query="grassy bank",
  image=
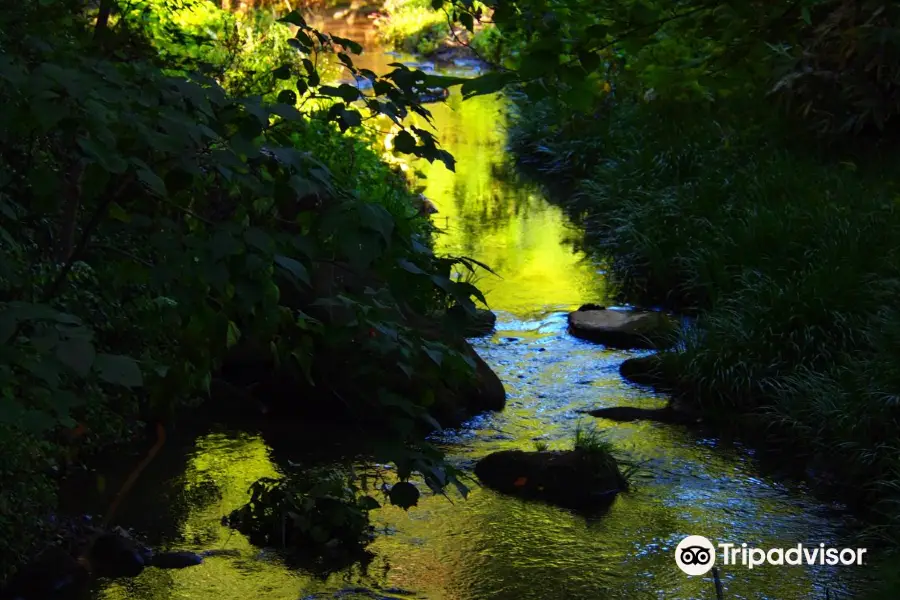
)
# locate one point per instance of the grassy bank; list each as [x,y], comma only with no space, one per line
[177,184]
[788,257]
[414,26]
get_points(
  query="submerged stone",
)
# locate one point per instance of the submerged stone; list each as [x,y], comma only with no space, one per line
[671,414]
[576,479]
[623,329]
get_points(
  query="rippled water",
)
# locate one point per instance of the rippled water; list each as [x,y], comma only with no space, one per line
[490,546]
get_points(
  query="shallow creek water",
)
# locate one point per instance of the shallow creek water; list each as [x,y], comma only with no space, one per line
[491,546]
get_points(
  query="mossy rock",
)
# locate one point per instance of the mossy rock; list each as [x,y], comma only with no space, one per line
[623,329]
[571,479]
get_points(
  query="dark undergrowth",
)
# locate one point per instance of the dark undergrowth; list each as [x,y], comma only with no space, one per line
[788,257]
[178,183]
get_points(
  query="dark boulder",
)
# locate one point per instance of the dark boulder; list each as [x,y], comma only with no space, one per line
[456,402]
[623,329]
[470,325]
[574,479]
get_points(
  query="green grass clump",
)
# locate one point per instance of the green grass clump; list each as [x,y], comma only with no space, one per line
[590,440]
[413,26]
[789,259]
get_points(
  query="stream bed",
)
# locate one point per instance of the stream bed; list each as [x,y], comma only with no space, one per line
[492,547]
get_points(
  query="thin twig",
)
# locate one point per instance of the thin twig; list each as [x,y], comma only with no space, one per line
[720,594]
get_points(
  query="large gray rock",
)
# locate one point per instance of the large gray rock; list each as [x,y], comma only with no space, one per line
[623,329]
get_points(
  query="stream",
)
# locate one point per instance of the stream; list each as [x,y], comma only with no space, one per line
[491,546]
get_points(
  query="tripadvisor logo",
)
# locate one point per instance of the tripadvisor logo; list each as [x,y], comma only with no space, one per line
[696,555]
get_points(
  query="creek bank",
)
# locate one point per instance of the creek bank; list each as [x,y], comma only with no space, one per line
[576,479]
[253,377]
[622,329]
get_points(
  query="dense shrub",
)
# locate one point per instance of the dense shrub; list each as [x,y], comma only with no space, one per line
[153,218]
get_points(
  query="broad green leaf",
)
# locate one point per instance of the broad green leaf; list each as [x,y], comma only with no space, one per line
[408,266]
[436,356]
[288,97]
[488,83]
[351,118]
[404,142]
[293,267]
[293,18]
[376,217]
[77,354]
[404,494]
[118,370]
[467,21]
[350,45]
[153,181]
[259,239]
[283,72]
[108,157]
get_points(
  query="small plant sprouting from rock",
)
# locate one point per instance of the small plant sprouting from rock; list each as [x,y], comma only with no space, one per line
[318,516]
[594,444]
[541,446]
[591,440]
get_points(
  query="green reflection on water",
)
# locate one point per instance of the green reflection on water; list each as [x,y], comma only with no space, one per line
[508,226]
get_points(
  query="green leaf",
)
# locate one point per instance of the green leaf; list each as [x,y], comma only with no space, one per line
[404,142]
[259,239]
[302,86]
[351,118]
[444,81]
[293,18]
[293,267]
[300,44]
[377,217]
[287,97]
[105,155]
[404,494]
[539,63]
[118,213]
[303,37]
[467,21]
[488,83]
[350,45]
[222,244]
[369,503]
[436,356]
[78,354]
[152,181]
[283,72]
[437,4]
[408,266]
[233,335]
[118,370]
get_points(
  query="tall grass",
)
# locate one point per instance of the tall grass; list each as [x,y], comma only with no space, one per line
[790,260]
